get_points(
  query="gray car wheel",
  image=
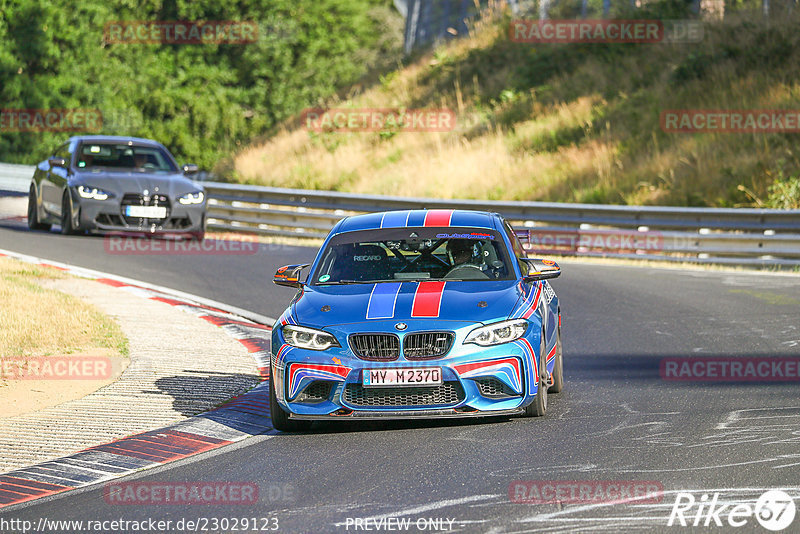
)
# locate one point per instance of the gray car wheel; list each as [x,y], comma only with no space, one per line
[33,212]
[67,225]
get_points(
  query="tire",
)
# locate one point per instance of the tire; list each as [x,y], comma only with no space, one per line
[67,228]
[33,213]
[539,405]
[280,419]
[558,368]
[200,234]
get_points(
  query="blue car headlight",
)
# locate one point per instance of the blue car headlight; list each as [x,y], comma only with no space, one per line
[192,198]
[94,193]
[498,333]
[308,338]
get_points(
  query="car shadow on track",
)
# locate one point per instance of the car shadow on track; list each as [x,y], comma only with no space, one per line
[194,392]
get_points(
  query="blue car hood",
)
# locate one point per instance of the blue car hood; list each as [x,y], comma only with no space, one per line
[480,302]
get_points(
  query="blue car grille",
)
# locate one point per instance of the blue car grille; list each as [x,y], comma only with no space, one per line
[427,345]
[449,393]
[416,346]
[376,347]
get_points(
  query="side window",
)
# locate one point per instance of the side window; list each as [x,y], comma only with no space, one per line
[516,245]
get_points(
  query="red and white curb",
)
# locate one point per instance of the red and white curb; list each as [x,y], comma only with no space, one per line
[238,419]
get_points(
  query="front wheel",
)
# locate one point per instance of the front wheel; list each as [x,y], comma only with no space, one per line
[280,419]
[539,405]
[200,234]
[67,225]
[558,367]
[33,212]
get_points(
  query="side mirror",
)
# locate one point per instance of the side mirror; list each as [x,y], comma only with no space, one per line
[57,162]
[289,275]
[540,269]
[190,168]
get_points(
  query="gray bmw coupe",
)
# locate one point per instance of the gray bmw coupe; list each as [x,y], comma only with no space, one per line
[116,184]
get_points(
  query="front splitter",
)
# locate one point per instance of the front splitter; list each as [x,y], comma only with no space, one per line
[410,414]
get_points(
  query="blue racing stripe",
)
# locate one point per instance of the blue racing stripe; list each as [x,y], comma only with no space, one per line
[394,219]
[471,219]
[417,218]
[382,300]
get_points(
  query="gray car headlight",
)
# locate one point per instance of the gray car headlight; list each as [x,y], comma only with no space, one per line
[94,193]
[192,198]
[498,333]
[308,338]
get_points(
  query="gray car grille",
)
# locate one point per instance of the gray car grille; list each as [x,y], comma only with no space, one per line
[427,345]
[375,347]
[135,199]
[449,393]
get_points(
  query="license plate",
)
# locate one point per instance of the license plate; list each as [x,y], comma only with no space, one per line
[418,376]
[147,212]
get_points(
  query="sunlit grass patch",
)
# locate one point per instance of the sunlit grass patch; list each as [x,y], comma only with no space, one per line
[35,321]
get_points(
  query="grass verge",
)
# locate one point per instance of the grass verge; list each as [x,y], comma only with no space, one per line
[35,321]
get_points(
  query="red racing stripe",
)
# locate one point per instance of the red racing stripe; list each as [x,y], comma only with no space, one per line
[427,299]
[532,309]
[438,217]
[532,356]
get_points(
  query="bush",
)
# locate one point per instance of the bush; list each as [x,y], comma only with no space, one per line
[202,101]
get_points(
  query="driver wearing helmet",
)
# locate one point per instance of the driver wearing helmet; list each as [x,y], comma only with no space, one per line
[467,263]
[460,251]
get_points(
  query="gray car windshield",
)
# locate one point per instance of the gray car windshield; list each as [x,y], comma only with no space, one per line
[124,157]
[414,254]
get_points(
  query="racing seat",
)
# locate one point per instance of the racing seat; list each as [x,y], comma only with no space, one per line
[361,263]
[492,265]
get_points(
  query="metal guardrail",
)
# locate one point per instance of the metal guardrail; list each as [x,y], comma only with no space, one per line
[15,178]
[703,235]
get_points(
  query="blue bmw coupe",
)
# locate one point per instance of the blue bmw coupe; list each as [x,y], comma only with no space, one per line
[416,314]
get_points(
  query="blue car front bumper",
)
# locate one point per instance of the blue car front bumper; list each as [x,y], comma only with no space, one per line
[476,381]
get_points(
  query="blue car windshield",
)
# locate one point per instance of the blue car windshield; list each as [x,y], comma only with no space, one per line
[413,254]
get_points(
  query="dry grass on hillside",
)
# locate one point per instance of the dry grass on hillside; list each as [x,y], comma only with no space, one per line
[575,123]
